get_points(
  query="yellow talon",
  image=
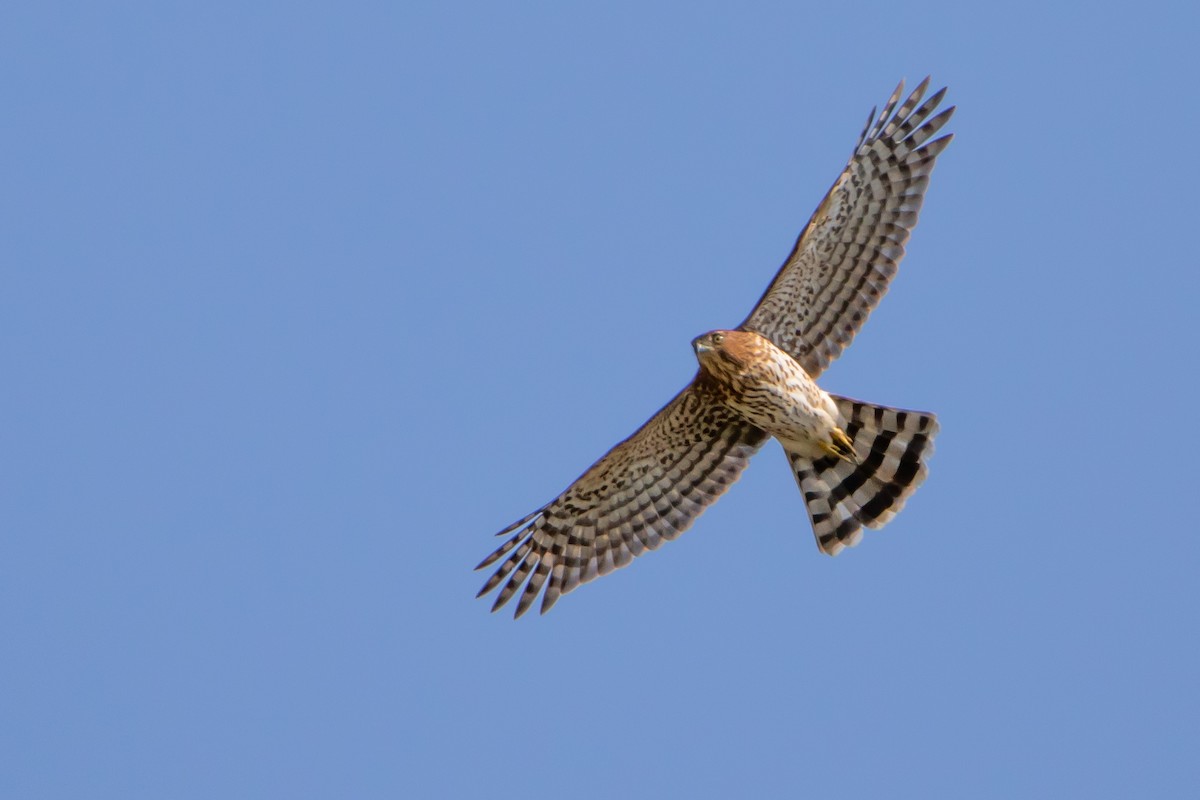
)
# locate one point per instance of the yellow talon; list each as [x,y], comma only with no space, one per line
[840,446]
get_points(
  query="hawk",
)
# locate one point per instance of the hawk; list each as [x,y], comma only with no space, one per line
[855,463]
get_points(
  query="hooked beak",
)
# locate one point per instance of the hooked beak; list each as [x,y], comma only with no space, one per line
[700,346]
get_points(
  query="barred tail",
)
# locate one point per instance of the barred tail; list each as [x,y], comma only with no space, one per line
[843,495]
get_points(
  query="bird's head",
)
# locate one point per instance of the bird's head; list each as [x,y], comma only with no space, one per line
[724,352]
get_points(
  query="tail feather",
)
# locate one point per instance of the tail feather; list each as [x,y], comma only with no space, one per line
[843,495]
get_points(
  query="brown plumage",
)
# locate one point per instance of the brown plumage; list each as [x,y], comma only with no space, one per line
[855,463]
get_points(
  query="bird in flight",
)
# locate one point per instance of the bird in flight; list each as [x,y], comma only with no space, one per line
[855,463]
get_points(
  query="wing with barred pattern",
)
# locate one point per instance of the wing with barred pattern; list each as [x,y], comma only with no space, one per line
[647,489]
[850,249]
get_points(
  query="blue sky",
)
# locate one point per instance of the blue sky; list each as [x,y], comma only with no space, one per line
[303,302]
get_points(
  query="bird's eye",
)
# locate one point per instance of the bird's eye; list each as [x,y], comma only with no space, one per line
[717,338]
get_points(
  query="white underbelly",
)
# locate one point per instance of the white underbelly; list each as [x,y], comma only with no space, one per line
[800,416]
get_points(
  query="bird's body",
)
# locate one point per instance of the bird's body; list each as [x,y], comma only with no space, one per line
[769,389]
[855,463]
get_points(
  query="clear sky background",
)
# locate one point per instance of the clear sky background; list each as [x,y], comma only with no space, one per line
[300,303]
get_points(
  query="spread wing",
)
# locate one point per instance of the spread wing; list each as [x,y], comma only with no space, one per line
[847,254]
[647,489]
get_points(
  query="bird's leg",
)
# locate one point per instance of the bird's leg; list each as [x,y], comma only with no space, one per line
[840,446]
